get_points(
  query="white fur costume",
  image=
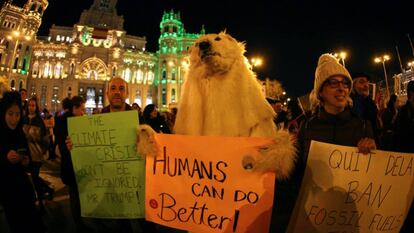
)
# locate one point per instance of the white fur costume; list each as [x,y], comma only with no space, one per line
[221,97]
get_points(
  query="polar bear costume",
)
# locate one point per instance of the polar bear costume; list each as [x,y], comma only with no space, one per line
[222,97]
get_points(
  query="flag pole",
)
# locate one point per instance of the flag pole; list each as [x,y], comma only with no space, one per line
[399,59]
[411,43]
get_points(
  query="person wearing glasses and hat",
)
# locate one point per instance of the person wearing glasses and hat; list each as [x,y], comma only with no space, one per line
[333,122]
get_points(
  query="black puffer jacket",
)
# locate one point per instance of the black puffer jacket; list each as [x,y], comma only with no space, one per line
[344,129]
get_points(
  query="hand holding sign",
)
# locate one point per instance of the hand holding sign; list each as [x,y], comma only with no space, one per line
[146,143]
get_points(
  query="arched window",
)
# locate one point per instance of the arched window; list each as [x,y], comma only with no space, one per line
[173,75]
[164,97]
[58,70]
[92,75]
[127,75]
[46,70]
[149,96]
[173,95]
[140,76]
[150,77]
[12,84]
[24,64]
[72,69]
[20,85]
[36,68]
[16,62]
[113,71]
[138,98]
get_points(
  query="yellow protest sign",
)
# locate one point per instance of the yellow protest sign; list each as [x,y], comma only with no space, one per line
[109,173]
[345,191]
[199,184]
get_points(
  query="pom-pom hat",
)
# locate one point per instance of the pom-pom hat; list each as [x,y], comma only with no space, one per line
[328,66]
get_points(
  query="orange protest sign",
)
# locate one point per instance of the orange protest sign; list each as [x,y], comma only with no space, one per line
[199,184]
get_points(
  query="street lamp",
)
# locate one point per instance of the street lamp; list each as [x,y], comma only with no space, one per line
[382,60]
[341,55]
[256,61]
[410,64]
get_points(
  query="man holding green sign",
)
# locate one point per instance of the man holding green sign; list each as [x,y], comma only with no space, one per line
[110,174]
[106,165]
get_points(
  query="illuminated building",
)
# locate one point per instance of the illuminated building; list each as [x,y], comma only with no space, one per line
[18,28]
[81,59]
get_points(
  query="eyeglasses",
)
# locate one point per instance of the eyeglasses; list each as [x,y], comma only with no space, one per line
[334,83]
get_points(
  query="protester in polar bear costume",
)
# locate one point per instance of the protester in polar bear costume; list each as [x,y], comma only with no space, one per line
[222,97]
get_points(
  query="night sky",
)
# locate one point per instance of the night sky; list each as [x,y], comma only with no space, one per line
[290,35]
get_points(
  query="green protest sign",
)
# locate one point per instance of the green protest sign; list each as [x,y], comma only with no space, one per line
[109,172]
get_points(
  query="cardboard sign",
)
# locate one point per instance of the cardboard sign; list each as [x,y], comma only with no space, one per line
[199,184]
[109,173]
[345,191]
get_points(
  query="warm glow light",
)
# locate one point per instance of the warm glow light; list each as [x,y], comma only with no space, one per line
[256,61]
[16,33]
[384,58]
[118,33]
[116,53]
[171,63]
[341,56]
[74,50]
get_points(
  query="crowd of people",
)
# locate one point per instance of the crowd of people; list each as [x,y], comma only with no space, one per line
[342,113]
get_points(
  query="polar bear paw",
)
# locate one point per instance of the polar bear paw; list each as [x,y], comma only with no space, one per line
[146,143]
[278,157]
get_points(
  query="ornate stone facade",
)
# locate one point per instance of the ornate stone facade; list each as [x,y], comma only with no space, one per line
[18,28]
[80,60]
